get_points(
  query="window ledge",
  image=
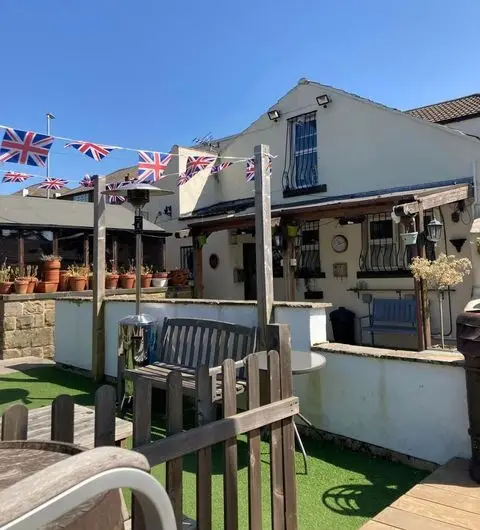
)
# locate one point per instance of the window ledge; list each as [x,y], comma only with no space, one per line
[384,274]
[321,188]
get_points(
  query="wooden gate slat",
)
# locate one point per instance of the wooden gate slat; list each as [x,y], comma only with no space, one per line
[230,496]
[276,448]
[254,463]
[15,423]
[62,419]
[174,468]
[105,408]
[205,414]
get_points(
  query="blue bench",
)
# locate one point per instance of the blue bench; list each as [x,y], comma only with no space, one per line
[394,316]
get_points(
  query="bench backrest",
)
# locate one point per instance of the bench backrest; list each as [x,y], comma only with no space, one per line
[193,342]
[394,310]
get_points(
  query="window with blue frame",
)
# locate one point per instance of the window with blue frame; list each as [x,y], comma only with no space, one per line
[303,145]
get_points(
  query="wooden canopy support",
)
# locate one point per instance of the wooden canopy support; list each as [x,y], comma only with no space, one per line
[21,252]
[86,250]
[438,198]
[197,267]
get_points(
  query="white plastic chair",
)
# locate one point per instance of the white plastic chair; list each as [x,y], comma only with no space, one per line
[58,489]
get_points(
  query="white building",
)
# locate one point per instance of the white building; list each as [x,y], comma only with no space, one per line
[342,162]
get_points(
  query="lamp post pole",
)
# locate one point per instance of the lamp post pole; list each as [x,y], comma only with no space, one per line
[138,257]
[50,117]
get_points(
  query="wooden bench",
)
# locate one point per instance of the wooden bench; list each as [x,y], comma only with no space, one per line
[396,316]
[187,343]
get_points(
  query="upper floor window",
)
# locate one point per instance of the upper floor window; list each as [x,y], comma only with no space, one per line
[301,159]
[186,258]
[81,197]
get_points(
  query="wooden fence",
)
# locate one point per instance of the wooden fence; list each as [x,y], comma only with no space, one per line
[276,415]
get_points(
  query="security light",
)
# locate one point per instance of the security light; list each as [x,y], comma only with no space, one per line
[273,115]
[323,100]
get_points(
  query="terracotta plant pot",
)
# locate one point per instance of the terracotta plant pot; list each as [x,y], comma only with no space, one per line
[77,283]
[160,275]
[89,286]
[21,285]
[146,280]
[6,287]
[127,281]
[111,281]
[63,280]
[32,284]
[51,271]
[47,287]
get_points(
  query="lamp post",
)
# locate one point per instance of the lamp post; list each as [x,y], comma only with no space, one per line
[138,195]
[50,117]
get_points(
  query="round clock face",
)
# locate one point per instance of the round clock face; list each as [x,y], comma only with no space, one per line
[339,243]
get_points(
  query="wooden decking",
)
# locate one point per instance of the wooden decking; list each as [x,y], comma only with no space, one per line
[448,499]
[39,426]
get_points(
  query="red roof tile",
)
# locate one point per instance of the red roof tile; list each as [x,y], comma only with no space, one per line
[446,111]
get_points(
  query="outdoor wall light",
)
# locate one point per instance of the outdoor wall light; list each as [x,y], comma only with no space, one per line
[434,231]
[323,100]
[273,115]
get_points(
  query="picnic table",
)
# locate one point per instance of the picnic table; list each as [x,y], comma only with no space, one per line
[39,426]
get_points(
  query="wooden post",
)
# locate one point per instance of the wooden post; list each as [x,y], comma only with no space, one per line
[98,323]
[55,243]
[197,267]
[115,252]
[163,255]
[21,253]
[425,308]
[86,250]
[288,271]
[263,240]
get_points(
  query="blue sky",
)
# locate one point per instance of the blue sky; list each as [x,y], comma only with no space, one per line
[148,74]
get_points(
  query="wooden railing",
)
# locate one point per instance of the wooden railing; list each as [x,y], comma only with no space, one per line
[276,413]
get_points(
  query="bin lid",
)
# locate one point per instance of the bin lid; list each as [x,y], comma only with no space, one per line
[137,320]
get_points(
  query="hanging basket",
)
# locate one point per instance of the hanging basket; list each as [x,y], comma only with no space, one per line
[410,238]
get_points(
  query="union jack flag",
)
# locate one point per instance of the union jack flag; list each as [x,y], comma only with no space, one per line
[194,165]
[13,176]
[52,184]
[250,170]
[151,165]
[87,182]
[115,199]
[96,151]
[220,167]
[24,147]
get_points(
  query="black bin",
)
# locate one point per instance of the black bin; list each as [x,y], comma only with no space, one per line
[343,325]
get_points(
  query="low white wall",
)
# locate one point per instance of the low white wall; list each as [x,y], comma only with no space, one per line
[415,408]
[73,341]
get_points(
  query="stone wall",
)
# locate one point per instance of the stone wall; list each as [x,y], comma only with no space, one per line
[27,328]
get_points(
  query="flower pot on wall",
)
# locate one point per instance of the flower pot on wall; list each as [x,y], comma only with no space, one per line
[63,281]
[111,281]
[127,281]
[146,280]
[409,238]
[47,287]
[32,284]
[6,287]
[77,283]
[159,282]
[51,270]
[21,285]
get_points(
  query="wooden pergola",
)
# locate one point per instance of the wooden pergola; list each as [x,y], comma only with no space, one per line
[413,203]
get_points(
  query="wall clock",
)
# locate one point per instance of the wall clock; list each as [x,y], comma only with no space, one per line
[339,243]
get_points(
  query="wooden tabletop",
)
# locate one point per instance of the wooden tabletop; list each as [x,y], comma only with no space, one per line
[448,499]
[39,426]
[303,362]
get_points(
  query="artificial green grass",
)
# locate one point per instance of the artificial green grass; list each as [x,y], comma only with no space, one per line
[343,489]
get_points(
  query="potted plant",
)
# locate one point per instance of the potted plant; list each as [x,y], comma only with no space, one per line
[46,287]
[51,268]
[111,278]
[160,279]
[146,276]
[20,282]
[32,271]
[179,277]
[77,277]
[127,277]
[5,278]
[63,280]
[441,274]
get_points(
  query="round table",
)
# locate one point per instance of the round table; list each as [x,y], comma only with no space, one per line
[303,362]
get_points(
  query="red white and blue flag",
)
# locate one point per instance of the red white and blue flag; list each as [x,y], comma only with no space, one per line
[151,165]
[250,170]
[25,147]
[87,182]
[13,176]
[52,184]
[194,165]
[115,199]
[220,167]
[96,151]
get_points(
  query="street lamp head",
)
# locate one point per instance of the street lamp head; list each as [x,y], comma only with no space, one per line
[137,193]
[50,116]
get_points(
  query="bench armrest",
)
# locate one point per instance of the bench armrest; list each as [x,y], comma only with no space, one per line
[60,488]
[215,370]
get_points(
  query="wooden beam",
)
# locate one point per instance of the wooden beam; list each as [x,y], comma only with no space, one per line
[434,200]
[98,323]
[115,252]
[21,252]
[55,243]
[197,268]
[425,308]
[163,255]
[86,250]
[288,254]
[263,241]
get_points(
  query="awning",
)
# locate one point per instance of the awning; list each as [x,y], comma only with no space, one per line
[427,197]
